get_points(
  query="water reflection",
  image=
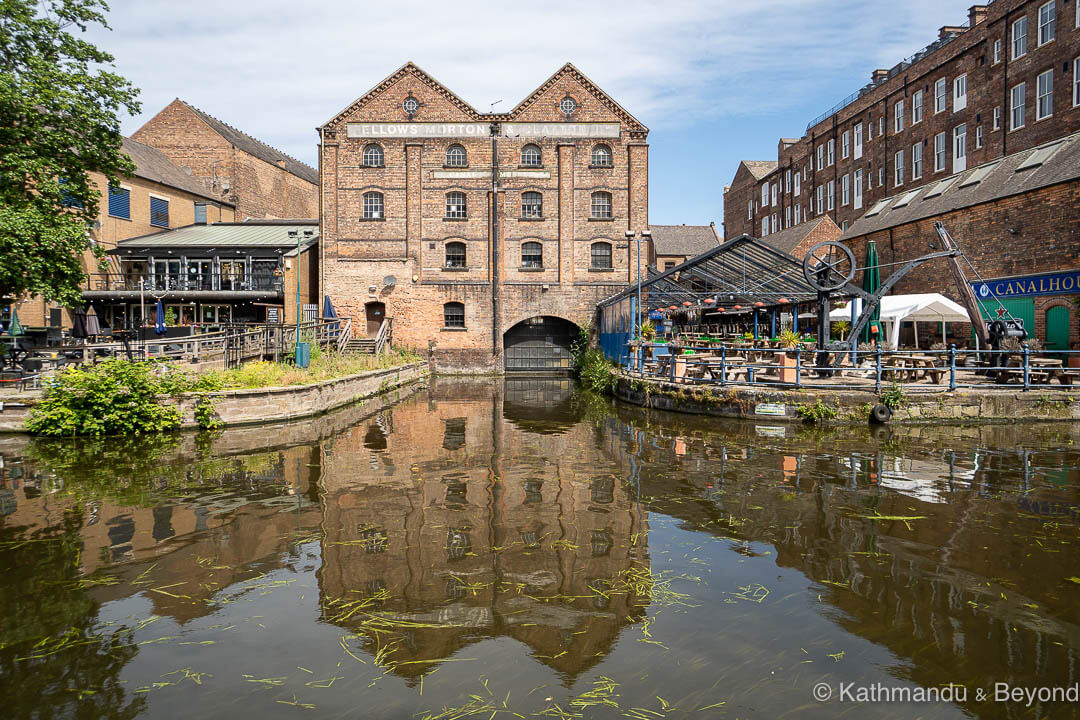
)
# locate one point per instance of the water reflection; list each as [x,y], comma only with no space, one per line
[479,536]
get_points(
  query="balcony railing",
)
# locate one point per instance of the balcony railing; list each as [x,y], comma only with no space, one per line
[181,282]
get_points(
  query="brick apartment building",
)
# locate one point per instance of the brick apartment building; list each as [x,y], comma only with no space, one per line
[488,237]
[1006,81]
[261,181]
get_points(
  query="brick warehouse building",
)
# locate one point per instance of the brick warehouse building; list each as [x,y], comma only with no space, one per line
[482,264]
[1006,81]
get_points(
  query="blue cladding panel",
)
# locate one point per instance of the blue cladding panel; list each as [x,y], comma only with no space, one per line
[120,203]
[159,212]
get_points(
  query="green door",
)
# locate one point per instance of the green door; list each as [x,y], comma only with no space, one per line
[1057,328]
[1019,308]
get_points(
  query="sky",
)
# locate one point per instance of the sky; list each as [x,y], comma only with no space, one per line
[715,82]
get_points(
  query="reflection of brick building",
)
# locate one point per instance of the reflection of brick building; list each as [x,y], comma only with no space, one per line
[465,520]
[462,225]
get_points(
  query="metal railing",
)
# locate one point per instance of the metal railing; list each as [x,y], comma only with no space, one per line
[385,336]
[157,282]
[867,370]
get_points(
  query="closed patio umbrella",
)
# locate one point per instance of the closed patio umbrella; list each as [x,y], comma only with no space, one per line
[93,326]
[15,328]
[78,324]
[159,323]
[870,283]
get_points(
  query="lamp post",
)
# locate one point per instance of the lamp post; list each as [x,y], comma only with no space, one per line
[637,331]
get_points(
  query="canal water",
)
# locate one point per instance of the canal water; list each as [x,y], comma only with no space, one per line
[512,548]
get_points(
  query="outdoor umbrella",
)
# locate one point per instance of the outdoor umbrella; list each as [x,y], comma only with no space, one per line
[78,324]
[328,310]
[159,324]
[15,328]
[93,326]
[870,283]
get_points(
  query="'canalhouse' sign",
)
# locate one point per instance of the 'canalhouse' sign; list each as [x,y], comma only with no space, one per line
[1063,283]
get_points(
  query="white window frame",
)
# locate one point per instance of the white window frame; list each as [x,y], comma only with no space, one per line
[1044,90]
[959,99]
[750,210]
[898,168]
[997,118]
[881,176]
[857,200]
[775,224]
[898,116]
[820,157]
[830,153]
[1014,107]
[941,152]
[941,89]
[772,196]
[1046,24]
[845,145]
[1076,67]
[916,161]
[787,216]
[959,161]
[830,194]
[765,226]
[798,183]
[978,137]
[857,150]
[787,181]
[820,199]
[916,107]
[997,52]
[764,194]
[1018,46]
[845,190]
[798,209]
[881,125]
[869,129]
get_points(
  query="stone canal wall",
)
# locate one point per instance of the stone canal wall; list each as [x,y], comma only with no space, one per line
[831,406]
[261,405]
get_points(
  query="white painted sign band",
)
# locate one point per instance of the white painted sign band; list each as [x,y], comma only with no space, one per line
[418,130]
[561,130]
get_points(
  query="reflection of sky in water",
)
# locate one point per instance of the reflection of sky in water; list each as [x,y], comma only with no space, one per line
[528,546]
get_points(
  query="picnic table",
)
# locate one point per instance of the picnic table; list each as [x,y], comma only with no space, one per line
[1041,370]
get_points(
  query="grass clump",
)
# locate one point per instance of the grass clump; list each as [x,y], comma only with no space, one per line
[323,366]
[816,411]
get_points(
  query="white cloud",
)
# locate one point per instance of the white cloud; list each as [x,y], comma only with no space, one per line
[277,69]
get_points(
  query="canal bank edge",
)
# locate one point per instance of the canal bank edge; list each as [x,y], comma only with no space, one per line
[259,405]
[846,407]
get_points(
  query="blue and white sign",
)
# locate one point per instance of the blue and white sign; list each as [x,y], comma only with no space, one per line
[1026,286]
[654,315]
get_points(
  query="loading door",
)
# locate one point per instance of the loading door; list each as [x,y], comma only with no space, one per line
[539,344]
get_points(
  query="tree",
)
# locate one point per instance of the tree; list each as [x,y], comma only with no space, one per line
[58,123]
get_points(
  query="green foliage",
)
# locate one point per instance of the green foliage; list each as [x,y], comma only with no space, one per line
[597,372]
[59,104]
[840,328]
[816,411]
[790,339]
[170,316]
[579,347]
[205,414]
[648,330]
[894,397]
[110,398]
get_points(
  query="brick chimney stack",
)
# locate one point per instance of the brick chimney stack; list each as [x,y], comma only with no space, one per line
[879,76]
[948,30]
[976,14]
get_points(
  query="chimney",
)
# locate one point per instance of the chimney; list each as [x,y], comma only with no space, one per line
[945,32]
[976,14]
[878,76]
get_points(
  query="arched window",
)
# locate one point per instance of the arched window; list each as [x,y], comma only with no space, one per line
[373,205]
[532,255]
[532,204]
[453,315]
[455,205]
[455,255]
[530,155]
[601,255]
[601,156]
[373,156]
[601,205]
[456,157]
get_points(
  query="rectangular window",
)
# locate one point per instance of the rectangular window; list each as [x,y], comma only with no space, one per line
[454,315]
[916,107]
[898,168]
[959,160]
[750,210]
[858,190]
[765,194]
[787,182]
[959,96]
[831,152]
[858,141]
[997,118]
[1076,71]
[820,199]
[798,183]
[773,198]
[1044,108]
[787,216]
[916,161]
[898,117]
[1046,22]
[120,202]
[939,152]
[775,224]
[881,177]
[997,52]
[845,190]
[159,212]
[881,125]
[798,208]
[978,137]
[845,145]
[831,194]
[1018,98]
[939,95]
[820,157]
[765,226]
[200,213]
[1019,38]
[869,130]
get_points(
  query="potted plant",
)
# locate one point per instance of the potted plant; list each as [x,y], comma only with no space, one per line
[789,341]
[648,331]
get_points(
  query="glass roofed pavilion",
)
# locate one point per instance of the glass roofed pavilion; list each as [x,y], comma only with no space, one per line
[732,284]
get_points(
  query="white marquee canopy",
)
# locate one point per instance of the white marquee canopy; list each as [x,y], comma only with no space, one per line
[895,309]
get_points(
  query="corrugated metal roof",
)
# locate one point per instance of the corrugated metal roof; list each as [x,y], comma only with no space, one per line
[244,234]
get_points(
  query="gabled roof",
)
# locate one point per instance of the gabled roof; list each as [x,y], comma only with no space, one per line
[685,240]
[1048,164]
[255,147]
[152,164]
[759,168]
[569,69]
[789,239]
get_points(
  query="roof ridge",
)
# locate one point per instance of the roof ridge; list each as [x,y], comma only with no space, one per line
[248,136]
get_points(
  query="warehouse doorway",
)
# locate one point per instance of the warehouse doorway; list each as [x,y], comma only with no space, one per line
[539,344]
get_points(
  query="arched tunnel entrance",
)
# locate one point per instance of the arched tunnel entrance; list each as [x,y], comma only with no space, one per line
[539,344]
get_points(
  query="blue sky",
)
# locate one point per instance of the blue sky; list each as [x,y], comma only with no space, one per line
[716,82]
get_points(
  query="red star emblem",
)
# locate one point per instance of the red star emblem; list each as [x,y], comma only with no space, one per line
[1001,312]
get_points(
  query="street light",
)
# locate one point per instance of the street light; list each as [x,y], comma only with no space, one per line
[647,234]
